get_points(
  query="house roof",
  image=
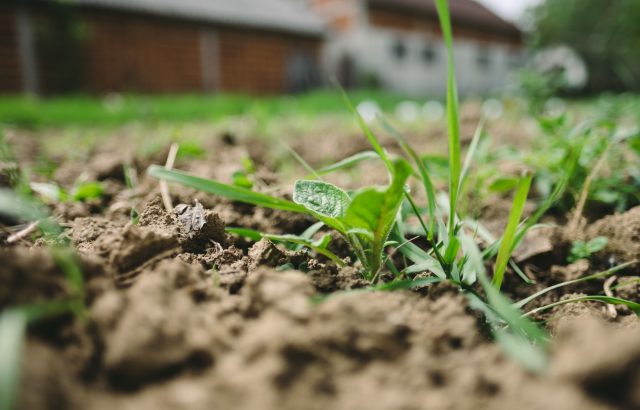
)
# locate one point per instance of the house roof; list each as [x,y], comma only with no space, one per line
[278,15]
[468,13]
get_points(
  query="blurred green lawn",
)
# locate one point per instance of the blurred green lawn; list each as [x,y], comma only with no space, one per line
[118,109]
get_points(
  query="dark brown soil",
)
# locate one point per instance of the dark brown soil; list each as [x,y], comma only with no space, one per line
[181,315]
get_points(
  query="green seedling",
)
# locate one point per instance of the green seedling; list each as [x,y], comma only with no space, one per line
[244,177]
[81,192]
[189,150]
[364,219]
[584,250]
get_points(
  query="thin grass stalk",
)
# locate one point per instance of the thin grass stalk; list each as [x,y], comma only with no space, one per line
[453,121]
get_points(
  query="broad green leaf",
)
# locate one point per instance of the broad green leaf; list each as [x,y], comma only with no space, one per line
[506,244]
[13,325]
[231,192]
[375,209]
[321,197]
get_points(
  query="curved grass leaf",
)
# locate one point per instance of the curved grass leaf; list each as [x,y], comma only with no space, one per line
[407,284]
[367,131]
[424,176]
[634,306]
[598,275]
[525,342]
[231,192]
[251,234]
[319,246]
[321,197]
[348,162]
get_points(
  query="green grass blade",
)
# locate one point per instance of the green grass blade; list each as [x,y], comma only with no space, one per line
[453,121]
[231,192]
[293,239]
[473,147]
[300,160]
[244,232]
[424,176]
[348,162]
[13,325]
[526,341]
[598,275]
[310,231]
[595,298]
[506,244]
[367,131]
[308,243]
[407,284]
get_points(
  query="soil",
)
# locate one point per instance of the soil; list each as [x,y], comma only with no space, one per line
[181,315]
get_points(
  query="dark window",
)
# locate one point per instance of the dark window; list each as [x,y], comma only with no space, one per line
[429,54]
[399,50]
[483,58]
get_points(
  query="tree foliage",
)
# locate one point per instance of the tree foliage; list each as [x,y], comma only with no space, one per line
[605,33]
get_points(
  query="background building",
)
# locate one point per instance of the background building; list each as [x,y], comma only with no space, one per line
[397,44]
[257,46]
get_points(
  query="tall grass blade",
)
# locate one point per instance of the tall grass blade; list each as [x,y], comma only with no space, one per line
[473,147]
[367,131]
[424,176]
[453,121]
[506,245]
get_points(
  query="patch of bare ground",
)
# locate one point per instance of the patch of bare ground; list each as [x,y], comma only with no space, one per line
[181,315]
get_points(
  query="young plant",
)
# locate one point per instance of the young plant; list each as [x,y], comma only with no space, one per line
[584,250]
[364,219]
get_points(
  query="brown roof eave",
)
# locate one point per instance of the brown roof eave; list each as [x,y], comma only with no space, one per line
[426,8]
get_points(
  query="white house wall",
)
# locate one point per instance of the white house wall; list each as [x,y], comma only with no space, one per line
[371,48]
